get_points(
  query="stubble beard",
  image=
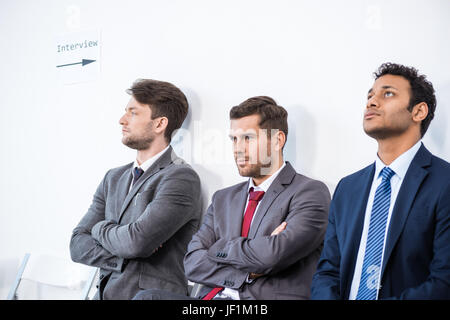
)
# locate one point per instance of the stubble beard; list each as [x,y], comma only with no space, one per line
[260,168]
[252,171]
[385,132]
[396,128]
[256,170]
[137,143]
[142,142]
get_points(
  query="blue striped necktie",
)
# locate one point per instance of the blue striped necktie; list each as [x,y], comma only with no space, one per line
[371,270]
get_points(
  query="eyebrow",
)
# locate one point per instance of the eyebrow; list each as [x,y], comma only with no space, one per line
[389,87]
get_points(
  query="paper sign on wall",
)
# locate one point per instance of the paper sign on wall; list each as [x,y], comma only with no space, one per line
[77,56]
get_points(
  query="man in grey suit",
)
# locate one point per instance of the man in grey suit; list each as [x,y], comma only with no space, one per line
[143,214]
[260,239]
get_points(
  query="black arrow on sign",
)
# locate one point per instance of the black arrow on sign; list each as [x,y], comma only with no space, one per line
[83,63]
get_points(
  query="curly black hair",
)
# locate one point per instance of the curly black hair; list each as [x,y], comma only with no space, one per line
[421,89]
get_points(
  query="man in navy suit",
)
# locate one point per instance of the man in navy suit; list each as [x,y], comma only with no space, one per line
[388,235]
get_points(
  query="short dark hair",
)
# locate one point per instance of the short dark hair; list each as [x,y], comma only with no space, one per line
[421,89]
[272,116]
[164,99]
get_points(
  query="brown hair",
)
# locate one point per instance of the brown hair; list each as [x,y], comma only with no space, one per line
[164,99]
[272,116]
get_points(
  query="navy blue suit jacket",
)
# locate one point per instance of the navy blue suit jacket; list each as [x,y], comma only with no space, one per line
[416,262]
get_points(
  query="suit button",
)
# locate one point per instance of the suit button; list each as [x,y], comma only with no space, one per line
[228,283]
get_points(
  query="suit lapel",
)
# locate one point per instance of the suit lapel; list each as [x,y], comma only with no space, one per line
[405,198]
[354,221]
[284,177]
[238,203]
[166,158]
[123,187]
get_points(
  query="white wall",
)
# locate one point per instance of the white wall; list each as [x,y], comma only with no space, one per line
[315,58]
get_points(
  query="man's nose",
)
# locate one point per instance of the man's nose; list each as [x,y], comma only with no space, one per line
[372,102]
[122,120]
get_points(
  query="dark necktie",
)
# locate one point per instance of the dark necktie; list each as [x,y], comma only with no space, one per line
[253,199]
[137,174]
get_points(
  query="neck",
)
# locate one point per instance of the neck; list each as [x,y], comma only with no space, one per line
[391,148]
[155,147]
[269,171]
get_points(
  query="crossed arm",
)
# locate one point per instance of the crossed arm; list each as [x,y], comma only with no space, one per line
[275,232]
[96,239]
[83,247]
[300,234]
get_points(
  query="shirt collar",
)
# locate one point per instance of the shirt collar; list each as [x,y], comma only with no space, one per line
[147,164]
[264,186]
[399,165]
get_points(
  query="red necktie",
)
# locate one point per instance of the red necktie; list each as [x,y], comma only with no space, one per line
[253,199]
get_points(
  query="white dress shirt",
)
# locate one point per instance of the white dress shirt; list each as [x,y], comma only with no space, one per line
[147,163]
[400,167]
[264,186]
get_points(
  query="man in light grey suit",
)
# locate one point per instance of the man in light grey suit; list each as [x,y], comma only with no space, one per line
[143,214]
[260,239]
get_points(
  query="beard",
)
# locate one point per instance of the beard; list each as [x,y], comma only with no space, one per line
[252,171]
[140,142]
[393,125]
[384,132]
[255,170]
[137,143]
[260,166]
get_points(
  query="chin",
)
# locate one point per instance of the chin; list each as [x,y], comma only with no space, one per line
[250,171]
[378,133]
[242,171]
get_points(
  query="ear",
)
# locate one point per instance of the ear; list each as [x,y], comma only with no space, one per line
[161,124]
[419,112]
[279,140]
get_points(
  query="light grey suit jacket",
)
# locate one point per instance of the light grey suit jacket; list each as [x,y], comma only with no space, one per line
[123,230]
[219,256]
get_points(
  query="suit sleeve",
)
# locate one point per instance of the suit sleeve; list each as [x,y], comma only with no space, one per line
[172,207]
[199,268]
[83,247]
[437,285]
[326,283]
[306,224]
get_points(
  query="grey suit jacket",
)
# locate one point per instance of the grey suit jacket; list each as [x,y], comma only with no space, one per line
[123,230]
[219,256]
